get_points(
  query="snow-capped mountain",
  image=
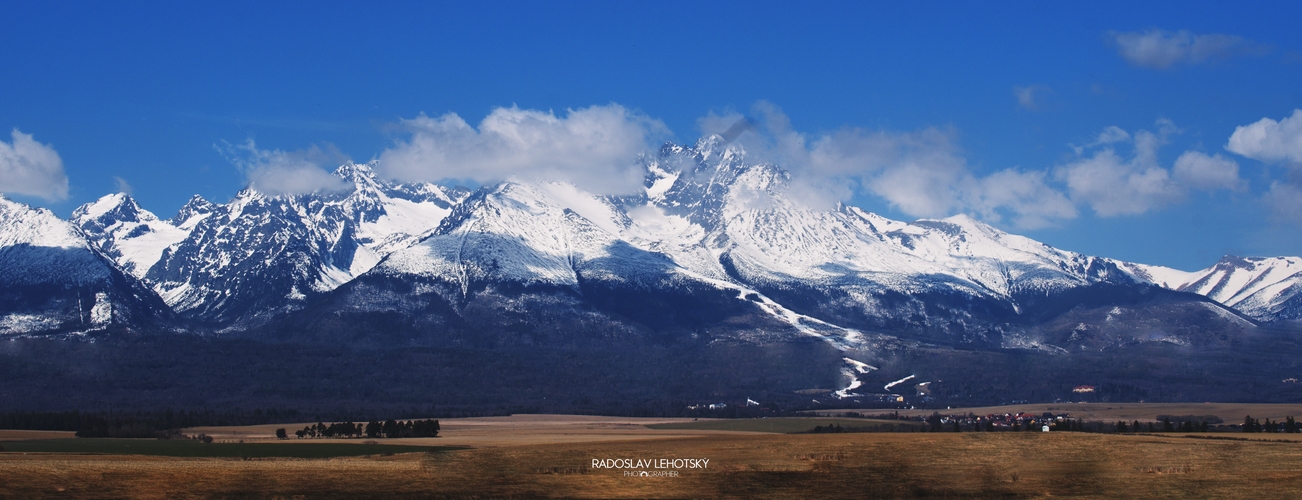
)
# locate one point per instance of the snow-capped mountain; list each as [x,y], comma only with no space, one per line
[717,270]
[713,228]
[721,216]
[1263,288]
[709,219]
[53,281]
[133,237]
[243,262]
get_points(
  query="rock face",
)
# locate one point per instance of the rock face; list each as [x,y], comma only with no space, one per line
[239,264]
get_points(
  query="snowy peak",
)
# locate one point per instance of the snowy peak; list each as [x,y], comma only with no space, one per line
[525,233]
[37,227]
[132,237]
[194,211]
[1264,288]
[693,182]
[109,209]
[258,255]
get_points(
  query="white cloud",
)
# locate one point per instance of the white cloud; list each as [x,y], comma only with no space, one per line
[1270,140]
[1112,185]
[30,168]
[1031,96]
[1161,49]
[1032,202]
[276,172]
[1199,171]
[1276,141]
[1110,135]
[594,148]
[921,173]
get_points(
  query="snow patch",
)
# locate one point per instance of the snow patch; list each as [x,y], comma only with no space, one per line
[898,382]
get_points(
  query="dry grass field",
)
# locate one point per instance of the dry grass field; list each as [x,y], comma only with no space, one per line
[741,465]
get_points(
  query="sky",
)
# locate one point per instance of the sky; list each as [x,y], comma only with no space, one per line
[1162,133]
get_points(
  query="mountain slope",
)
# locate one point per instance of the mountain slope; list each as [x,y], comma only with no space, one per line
[1263,288]
[53,281]
[133,237]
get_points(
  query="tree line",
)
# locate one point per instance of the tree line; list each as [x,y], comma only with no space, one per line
[1253,425]
[137,424]
[373,429]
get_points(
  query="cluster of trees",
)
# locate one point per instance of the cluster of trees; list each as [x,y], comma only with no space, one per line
[1253,425]
[373,429]
[1166,425]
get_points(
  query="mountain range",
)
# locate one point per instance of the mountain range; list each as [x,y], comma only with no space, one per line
[714,251]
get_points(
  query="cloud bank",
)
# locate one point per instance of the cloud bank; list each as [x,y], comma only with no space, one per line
[30,168]
[276,172]
[923,173]
[1112,183]
[594,148]
[1161,49]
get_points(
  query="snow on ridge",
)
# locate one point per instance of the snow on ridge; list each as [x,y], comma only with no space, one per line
[131,236]
[21,224]
[1258,287]
[306,243]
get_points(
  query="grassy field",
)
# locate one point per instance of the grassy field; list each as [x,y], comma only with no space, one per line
[192,448]
[861,465]
[785,425]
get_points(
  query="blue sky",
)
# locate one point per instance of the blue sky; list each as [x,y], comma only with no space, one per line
[1102,128]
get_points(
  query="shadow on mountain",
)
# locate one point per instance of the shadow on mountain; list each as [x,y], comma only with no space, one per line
[52,290]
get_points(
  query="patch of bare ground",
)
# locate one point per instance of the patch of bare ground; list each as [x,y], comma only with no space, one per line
[740,466]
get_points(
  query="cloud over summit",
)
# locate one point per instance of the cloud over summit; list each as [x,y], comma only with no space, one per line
[921,173]
[595,148]
[276,172]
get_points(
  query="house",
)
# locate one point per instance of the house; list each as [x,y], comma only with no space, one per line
[1083,388]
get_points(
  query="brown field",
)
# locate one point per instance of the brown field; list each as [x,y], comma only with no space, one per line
[16,435]
[551,456]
